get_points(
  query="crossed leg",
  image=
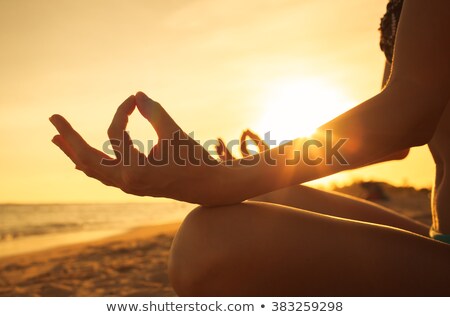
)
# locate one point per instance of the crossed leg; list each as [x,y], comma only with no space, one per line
[267,249]
[341,205]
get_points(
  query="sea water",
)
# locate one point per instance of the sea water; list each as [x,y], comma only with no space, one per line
[27,228]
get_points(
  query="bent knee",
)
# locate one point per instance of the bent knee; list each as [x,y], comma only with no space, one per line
[213,246]
[191,255]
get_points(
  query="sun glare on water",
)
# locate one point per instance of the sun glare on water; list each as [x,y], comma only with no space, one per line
[293,108]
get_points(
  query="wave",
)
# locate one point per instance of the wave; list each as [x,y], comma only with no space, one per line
[13,234]
[20,221]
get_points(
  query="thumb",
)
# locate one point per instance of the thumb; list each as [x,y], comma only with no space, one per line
[161,121]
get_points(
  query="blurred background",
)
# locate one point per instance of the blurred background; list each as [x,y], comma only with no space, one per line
[218,67]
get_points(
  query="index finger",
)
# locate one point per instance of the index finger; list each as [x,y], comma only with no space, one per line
[119,138]
[158,117]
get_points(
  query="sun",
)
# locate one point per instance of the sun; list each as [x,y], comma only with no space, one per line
[295,108]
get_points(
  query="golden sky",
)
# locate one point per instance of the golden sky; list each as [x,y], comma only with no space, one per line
[217,66]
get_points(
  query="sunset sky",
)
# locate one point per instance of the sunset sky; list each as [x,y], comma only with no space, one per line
[218,67]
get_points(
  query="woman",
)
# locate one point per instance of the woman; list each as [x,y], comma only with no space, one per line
[301,241]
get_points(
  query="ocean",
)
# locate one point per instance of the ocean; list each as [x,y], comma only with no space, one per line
[28,228]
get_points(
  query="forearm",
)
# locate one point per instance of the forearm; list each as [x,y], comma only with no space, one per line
[392,157]
[403,115]
[387,123]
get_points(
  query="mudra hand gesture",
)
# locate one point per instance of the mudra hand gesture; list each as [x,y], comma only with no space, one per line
[177,166]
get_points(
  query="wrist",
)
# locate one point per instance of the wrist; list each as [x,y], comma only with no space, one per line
[228,185]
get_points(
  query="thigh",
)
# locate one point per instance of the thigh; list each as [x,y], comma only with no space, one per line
[341,205]
[263,249]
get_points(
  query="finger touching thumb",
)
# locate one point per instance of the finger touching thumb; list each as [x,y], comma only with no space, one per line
[161,121]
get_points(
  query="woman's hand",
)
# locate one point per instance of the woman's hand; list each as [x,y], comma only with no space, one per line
[177,167]
[225,154]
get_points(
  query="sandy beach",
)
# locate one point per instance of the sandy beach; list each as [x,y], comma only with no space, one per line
[130,264]
[135,263]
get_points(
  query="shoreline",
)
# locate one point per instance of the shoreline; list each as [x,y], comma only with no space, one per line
[44,242]
[29,228]
[133,263]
